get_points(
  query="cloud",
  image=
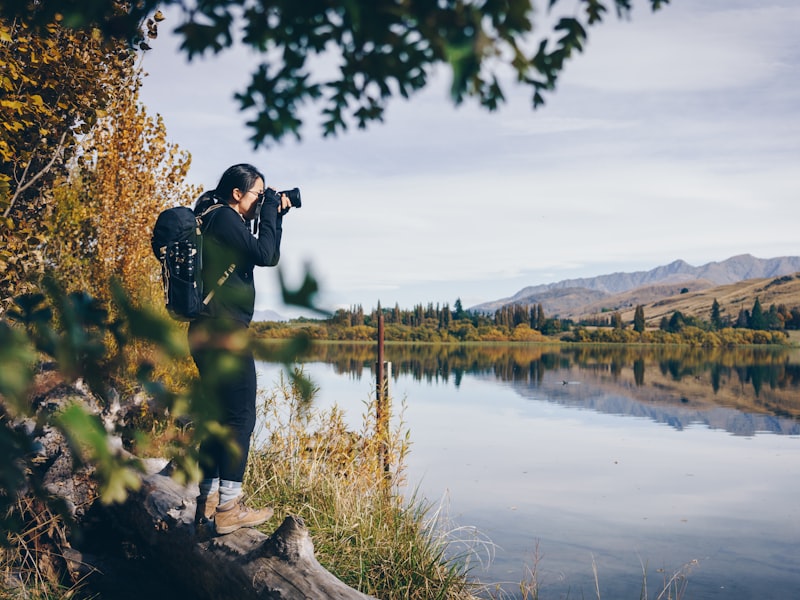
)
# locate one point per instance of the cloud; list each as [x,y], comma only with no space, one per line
[702,47]
[675,135]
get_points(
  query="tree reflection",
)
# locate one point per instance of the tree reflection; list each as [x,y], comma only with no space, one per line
[765,379]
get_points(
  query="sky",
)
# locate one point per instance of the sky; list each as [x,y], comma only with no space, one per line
[675,135]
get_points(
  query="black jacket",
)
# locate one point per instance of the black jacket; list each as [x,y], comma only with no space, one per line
[227,240]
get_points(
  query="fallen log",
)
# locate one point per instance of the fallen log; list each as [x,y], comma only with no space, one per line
[242,565]
[156,524]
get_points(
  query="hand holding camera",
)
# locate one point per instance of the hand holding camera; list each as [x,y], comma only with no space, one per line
[285,200]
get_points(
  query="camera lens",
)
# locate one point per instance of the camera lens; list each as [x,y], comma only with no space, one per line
[294,197]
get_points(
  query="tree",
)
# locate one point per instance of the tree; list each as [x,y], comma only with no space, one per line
[445,317]
[716,319]
[383,49]
[103,215]
[638,319]
[757,318]
[743,320]
[676,322]
[459,312]
[56,82]
[541,319]
[616,320]
[774,319]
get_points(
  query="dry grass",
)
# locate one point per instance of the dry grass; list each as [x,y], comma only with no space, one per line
[344,485]
[660,302]
[31,562]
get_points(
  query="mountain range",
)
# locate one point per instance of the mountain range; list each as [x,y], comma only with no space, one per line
[583,297]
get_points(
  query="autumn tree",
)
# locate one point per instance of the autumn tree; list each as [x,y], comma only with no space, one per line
[55,82]
[127,174]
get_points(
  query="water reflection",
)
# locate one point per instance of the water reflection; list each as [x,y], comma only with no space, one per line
[741,390]
[530,451]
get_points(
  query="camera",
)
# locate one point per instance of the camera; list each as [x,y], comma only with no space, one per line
[270,194]
[293,194]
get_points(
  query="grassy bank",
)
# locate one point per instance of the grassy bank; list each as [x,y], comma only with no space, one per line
[345,486]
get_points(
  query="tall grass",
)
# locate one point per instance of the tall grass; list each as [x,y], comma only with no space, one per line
[345,485]
[31,564]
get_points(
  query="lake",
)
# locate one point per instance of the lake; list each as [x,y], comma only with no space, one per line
[639,464]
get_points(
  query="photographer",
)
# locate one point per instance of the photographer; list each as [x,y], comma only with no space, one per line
[225,364]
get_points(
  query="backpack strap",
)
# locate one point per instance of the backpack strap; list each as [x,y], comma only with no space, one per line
[201,226]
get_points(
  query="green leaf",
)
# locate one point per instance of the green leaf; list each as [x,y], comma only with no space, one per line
[17,359]
[305,294]
[119,479]
[90,443]
[85,433]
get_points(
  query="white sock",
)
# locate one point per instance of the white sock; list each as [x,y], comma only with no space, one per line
[228,490]
[208,487]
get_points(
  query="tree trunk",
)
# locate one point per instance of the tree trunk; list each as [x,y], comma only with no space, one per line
[242,565]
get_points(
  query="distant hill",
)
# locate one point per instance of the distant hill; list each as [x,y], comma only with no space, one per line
[732,297]
[576,298]
[267,315]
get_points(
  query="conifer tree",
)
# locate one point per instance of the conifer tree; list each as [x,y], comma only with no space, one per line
[638,319]
[716,319]
[459,312]
[757,318]
[743,320]
[541,321]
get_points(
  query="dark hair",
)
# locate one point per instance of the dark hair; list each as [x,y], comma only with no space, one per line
[205,200]
[241,176]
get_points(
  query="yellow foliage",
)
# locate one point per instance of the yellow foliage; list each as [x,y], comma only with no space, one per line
[84,170]
[106,214]
[51,85]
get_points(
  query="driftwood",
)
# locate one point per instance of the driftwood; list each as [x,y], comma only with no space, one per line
[242,565]
[156,526]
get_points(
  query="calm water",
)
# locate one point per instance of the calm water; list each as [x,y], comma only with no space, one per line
[624,460]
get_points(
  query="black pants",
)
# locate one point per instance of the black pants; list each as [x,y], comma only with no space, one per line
[228,382]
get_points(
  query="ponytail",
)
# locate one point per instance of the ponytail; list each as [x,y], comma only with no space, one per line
[206,200]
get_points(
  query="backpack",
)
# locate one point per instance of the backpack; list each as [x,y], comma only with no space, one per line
[177,242]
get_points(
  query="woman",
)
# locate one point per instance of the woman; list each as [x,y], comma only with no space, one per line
[226,366]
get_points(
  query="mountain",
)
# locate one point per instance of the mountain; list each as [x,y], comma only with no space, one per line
[267,315]
[573,298]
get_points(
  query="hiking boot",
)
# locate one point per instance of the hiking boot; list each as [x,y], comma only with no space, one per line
[206,508]
[234,515]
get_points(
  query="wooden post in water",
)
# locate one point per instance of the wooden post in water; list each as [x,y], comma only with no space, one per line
[382,398]
[380,384]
